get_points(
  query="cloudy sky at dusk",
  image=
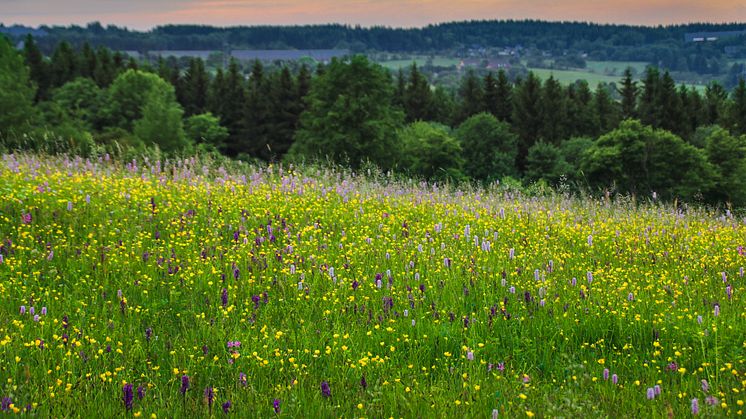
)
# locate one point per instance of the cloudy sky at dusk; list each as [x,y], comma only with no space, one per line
[143,14]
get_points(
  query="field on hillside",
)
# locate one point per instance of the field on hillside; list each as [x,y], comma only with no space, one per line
[184,289]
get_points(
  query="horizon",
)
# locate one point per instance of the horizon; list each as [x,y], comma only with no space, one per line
[144,15]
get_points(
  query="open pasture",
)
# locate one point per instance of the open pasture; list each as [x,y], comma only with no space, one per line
[183,289]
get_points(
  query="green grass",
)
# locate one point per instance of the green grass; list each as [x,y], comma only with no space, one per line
[421,61]
[615,68]
[449,302]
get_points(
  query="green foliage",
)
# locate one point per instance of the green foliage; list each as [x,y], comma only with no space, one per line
[471,95]
[545,162]
[489,147]
[572,152]
[81,99]
[641,160]
[350,115]
[428,150]
[553,110]
[206,129]
[727,153]
[418,98]
[161,124]
[17,114]
[130,92]
[527,118]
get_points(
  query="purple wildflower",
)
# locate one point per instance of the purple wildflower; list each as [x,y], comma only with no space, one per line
[5,404]
[657,390]
[184,384]
[326,391]
[44,311]
[226,406]
[711,400]
[606,374]
[224,297]
[140,392]
[705,386]
[614,379]
[242,379]
[148,333]
[716,310]
[651,393]
[23,310]
[127,396]
[209,396]
[470,355]
[276,405]
[695,406]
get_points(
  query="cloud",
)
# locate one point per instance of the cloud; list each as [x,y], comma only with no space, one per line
[148,13]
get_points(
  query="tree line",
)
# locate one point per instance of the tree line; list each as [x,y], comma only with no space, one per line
[663,46]
[658,137]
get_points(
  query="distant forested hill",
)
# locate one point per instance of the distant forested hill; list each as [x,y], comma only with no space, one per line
[620,42]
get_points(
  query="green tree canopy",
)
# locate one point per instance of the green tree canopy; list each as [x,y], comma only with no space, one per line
[428,150]
[129,93]
[16,93]
[161,124]
[545,162]
[205,129]
[639,159]
[489,147]
[350,115]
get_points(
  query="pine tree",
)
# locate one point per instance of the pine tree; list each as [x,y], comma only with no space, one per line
[715,102]
[194,88]
[304,81]
[63,66]
[553,108]
[232,99]
[417,97]
[668,107]
[581,111]
[471,95]
[256,112]
[491,100]
[527,117]
[737,109]
[284,110]
[106,70]
[648,100]
[87,61]
[503,102]
[607,111]
[38,68]
[401,89]
[628,92]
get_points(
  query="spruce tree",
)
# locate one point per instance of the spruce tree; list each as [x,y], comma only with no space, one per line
[737,109]
[38,68]
[63,66]
[503,102]
[527,117]
[417,97]
[647,110]
[471,95]
[628,92]
[553,108]
[715,102]
[194,87]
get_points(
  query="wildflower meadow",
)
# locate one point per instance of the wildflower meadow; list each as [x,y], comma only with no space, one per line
[188,289]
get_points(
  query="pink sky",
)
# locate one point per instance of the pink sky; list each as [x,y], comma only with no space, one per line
[144,14]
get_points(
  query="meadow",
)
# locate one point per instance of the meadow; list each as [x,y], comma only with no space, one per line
[188,289]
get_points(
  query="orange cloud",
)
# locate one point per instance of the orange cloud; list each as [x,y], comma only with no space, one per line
[148,13]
